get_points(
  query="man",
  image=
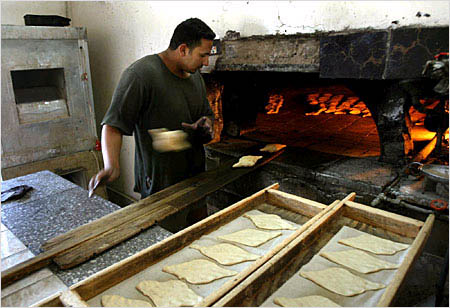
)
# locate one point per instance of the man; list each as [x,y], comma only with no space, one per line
[163,90]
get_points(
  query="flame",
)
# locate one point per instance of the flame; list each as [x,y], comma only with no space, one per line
[329,103]
[418,131]
[275,103]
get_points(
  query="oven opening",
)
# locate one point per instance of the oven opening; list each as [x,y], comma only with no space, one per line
[40,95]
[298,110]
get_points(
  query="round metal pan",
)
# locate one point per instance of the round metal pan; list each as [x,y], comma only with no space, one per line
[437,173]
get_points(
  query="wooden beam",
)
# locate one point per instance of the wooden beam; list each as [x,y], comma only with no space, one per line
[294,203]
[402,225]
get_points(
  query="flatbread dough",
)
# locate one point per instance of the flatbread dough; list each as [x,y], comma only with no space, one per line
[226,254]
[358,260]
[249,237]
[168,141]
[272,148]
[198,271]
[269,222]
[247,161]
[341,281]
[374,244]
[119,301]
[172,293]
[307,301]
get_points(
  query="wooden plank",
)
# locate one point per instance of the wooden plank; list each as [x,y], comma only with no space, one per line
[126,268]
[160,210]
[87,249]
[211,299]
[263,274]
[402,225]
[71,298]
[295,203]
[413,253]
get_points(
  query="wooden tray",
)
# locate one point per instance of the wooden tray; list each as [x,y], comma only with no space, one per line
[267,279]
[296,209]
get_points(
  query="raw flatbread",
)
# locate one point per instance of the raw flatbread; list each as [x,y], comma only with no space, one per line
[269,222]
[341,281]
[226,254]
[172,293]
[374,244]
[249,237]
[198,271]
[247,161]
[307,301]
[119,301]
[272,148]
[358,260]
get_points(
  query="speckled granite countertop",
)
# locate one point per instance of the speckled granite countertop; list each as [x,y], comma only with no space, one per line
[55,206]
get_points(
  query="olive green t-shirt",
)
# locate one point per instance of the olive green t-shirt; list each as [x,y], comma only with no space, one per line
[150,96]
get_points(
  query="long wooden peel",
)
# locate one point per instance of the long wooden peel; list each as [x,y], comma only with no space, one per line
[82,243]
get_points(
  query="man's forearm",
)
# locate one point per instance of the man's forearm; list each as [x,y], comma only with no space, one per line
[111,145]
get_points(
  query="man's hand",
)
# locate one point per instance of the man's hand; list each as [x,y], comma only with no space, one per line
[203,128]
[102,177]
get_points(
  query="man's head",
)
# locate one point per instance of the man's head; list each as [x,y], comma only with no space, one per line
[192,39]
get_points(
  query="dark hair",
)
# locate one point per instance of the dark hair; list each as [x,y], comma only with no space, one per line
[190,32]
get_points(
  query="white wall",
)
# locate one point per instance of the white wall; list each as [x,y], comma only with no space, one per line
[120,32]
[13,11]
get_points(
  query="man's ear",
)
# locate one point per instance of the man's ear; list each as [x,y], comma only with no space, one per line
[183,50]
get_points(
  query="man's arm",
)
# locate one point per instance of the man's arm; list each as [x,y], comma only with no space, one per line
[111,145]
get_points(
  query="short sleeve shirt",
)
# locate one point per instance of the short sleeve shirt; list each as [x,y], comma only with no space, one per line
[150,96]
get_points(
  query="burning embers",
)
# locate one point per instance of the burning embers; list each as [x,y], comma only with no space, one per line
[275,103]
[336,104]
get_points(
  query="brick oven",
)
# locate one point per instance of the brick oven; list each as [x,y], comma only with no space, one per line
[354,109]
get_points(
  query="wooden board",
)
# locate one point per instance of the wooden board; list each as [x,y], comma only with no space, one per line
[267,279]
[82,243]
[129,267]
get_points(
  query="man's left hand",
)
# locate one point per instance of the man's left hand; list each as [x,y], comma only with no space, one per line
[203,128]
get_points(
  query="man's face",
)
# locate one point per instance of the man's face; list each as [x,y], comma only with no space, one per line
[197,57]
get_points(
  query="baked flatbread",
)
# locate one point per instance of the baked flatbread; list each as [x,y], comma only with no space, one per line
[341,281]
[249,237]
[119,301]
[358,260]
[307,301]
[226,254]
[272,148]
[198,271]
[269,221]
[247,161]
[172,293]
[374,244]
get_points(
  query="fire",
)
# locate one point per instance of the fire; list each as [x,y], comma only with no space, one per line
[275,103]
[329,103]
[418,130]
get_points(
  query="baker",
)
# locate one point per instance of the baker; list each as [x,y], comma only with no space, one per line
[164,90]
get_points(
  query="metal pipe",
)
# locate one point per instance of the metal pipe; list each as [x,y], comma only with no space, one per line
[382,197]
